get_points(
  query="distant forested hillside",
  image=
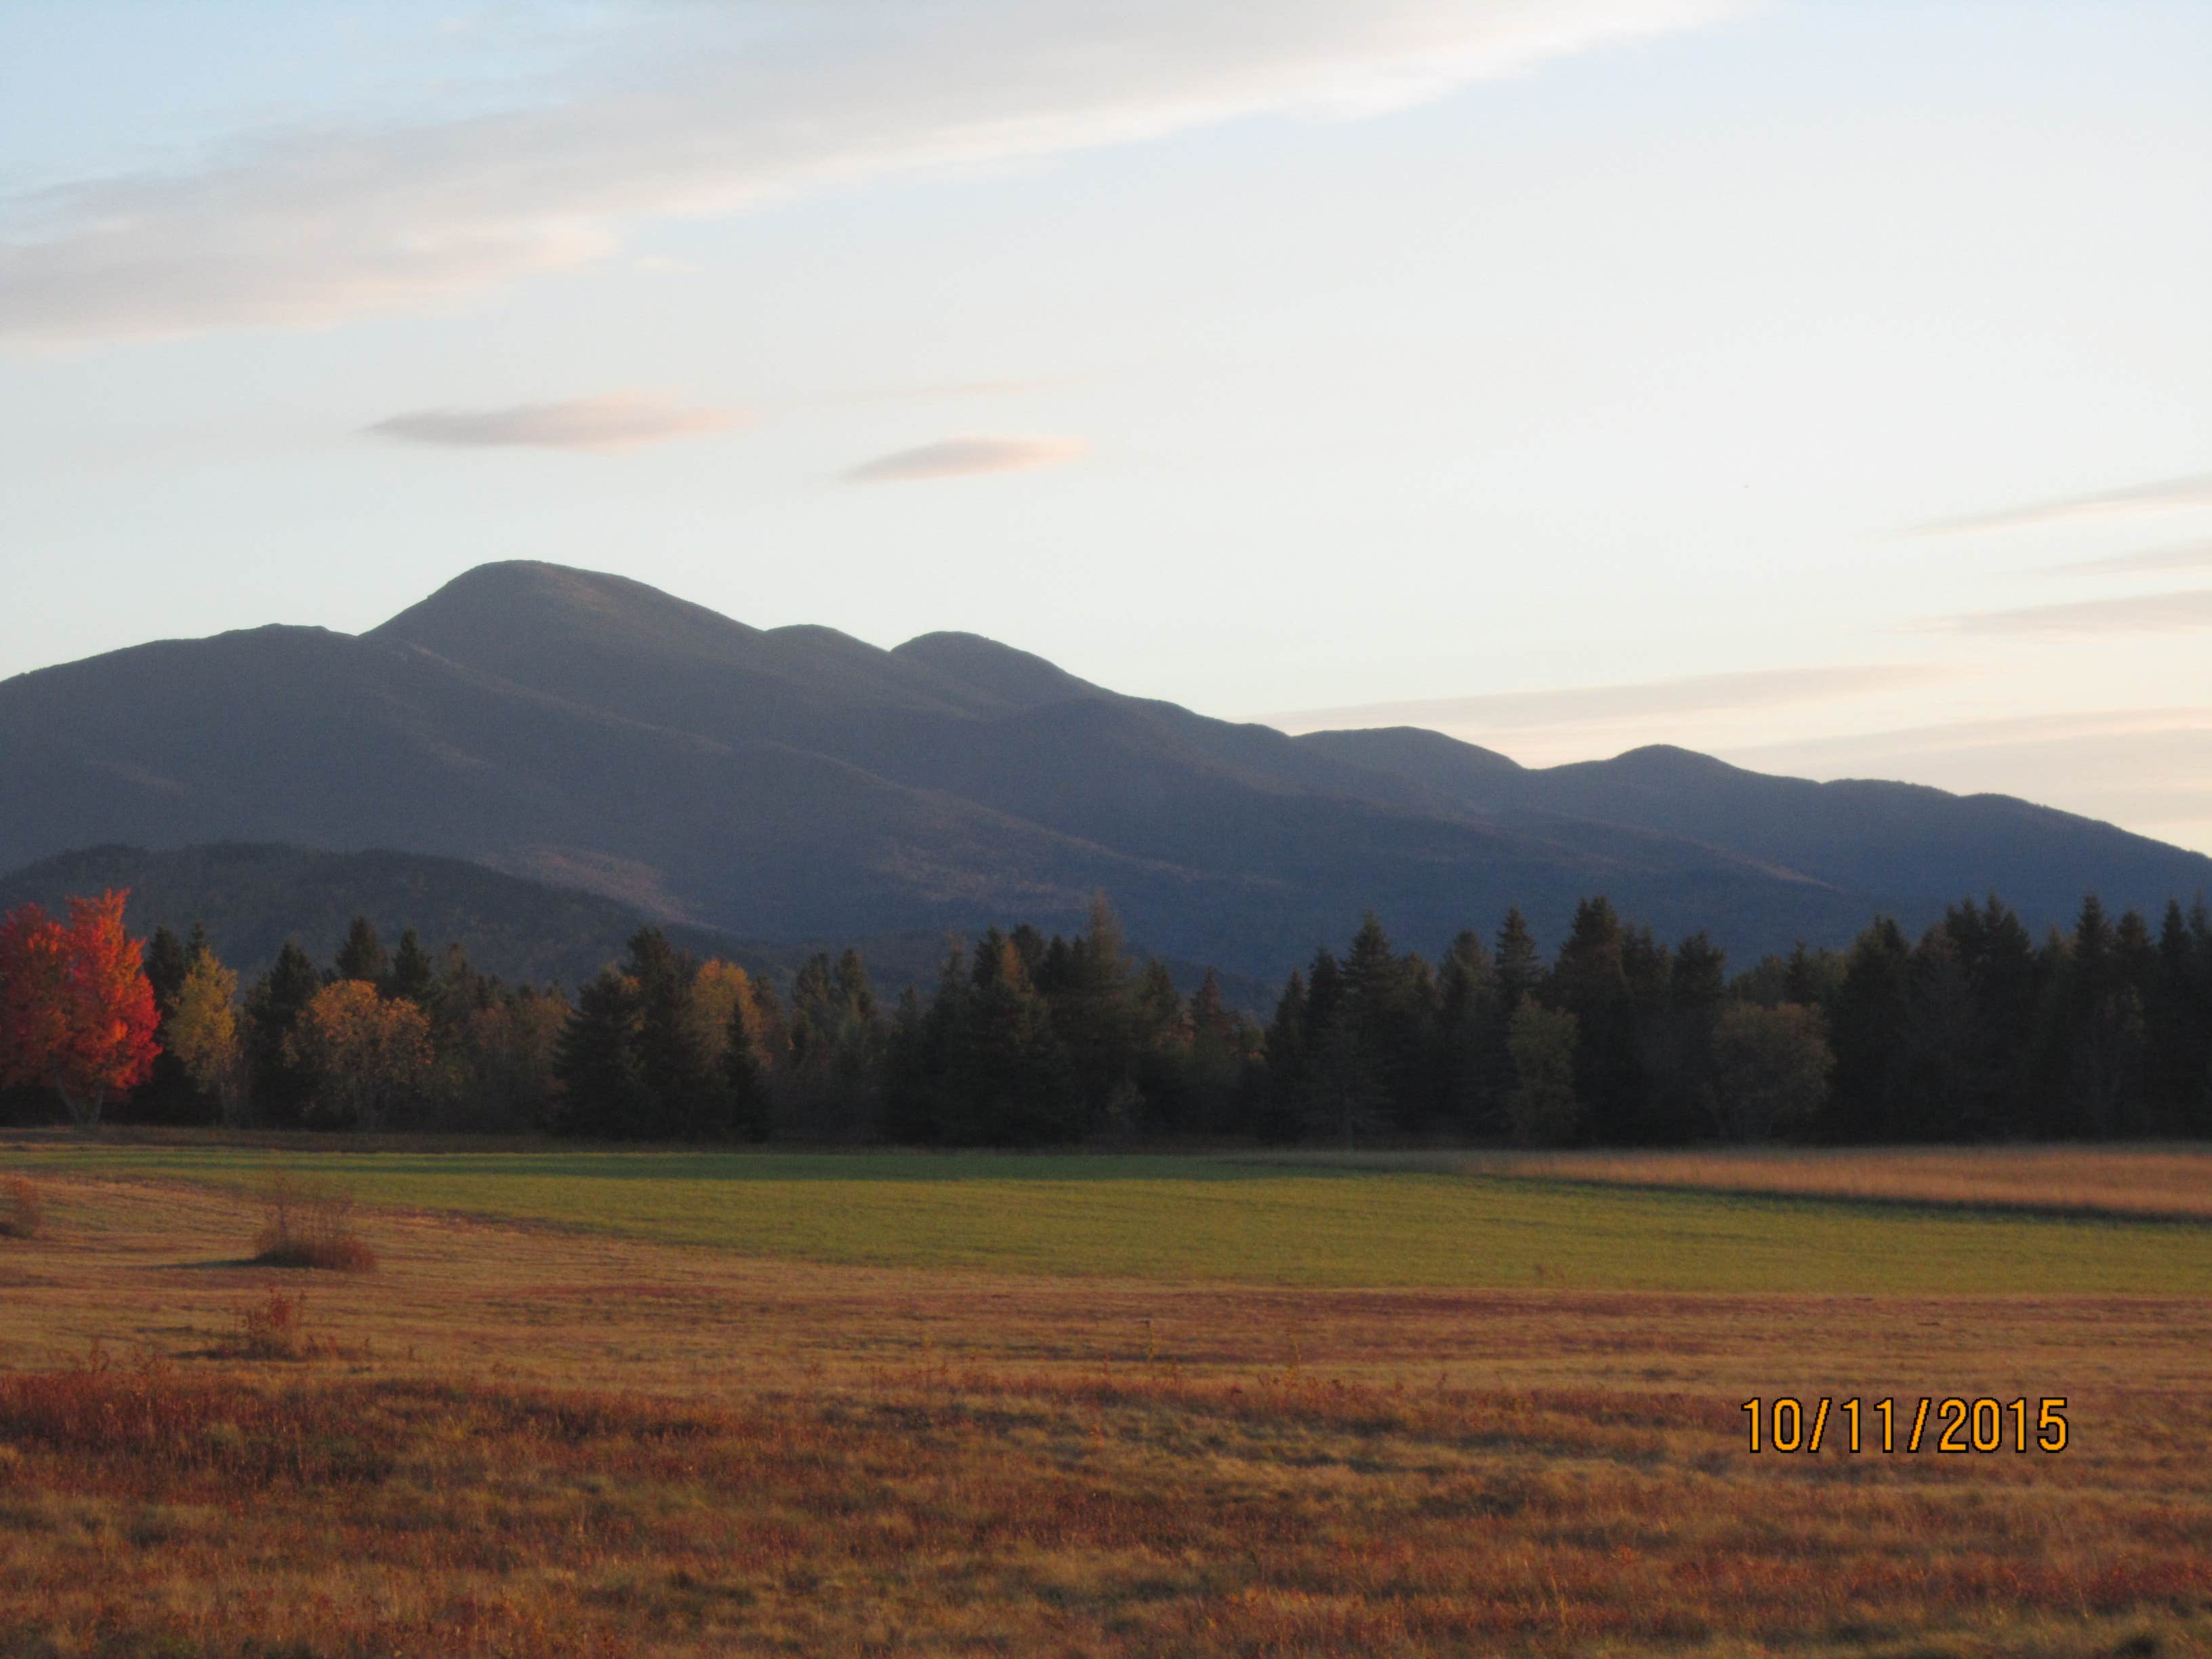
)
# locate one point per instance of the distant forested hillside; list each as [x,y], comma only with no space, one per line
[250,898]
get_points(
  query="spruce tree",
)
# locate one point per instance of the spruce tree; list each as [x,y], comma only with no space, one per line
[604,1092]
[1520,965]
[362,957]
[1283,1097]
[682,1086]
[278,1085]
[1871,1012]
[1008,1061]
[165,964]
[1473,1070]
[411,975]
[1589,980]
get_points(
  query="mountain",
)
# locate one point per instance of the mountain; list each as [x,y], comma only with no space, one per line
[253,897]
[1918,845]
[795,783]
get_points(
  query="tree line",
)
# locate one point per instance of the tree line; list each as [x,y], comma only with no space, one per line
[1974,1031]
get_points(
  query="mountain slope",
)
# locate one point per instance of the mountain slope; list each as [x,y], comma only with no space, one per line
[795,783]
[251,897]
[1911,842]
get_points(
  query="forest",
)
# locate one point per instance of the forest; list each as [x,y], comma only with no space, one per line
[1974,1031]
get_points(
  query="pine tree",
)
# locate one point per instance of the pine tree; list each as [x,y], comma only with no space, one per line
[603,1091]
[1385,1024]
[744,1078]
[1873,1008]
[1682,1046]
[1520,965]
[1472,1069]
[1006,1059]
[682,1084]
[362,957]
[2101,1024]
[1282,1110]
[166,964]
[277,1086]
[1590,980]
[2177,1023]
[168,1095]
[411,975]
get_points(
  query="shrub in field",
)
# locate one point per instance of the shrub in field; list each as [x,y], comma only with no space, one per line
[275,1328]
[309,1224]
[22,1212]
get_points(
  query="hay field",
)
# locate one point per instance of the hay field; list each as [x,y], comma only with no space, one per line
[1237,1219]
[2174,1182]
[517,1437]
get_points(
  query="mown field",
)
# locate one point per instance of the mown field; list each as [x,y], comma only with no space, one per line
[1240,1219]
[669,1404]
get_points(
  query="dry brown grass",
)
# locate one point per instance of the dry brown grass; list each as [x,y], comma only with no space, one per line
[23,1211]
[545,1443]
[2173,1181]
[307,1223]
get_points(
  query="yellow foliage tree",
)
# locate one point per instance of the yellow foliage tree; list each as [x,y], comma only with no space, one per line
[718,991]
[202,1033]
[367,1054]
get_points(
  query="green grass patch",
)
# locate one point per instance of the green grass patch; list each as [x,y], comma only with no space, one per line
[1231,1219]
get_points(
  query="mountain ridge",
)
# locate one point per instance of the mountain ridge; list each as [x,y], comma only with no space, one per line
[796,782]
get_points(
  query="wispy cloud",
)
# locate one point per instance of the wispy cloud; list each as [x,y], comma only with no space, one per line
[2139,613]
[607,424]
[1765,688]
[2165,495]
[2186,556]
[753,104]
[960,457]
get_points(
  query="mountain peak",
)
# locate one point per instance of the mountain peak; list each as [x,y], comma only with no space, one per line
[1017,678]
[1668,761]
[523,605]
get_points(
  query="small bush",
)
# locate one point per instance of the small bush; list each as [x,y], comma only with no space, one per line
[309,1224]
[22,1212]
[275,1329]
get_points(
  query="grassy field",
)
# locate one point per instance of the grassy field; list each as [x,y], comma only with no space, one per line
[662,1405]
[2174,1182]
[1235,1219]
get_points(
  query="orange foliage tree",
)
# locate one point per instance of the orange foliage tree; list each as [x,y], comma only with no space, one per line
[77,1010]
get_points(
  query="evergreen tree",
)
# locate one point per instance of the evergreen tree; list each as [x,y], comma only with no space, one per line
[682,1084]
[1006,1066]
[745,1081]
[362,957]
[1590,980]
[411,975]
[2177,1023]
[2100,1024]
[169,1094]
[278,1085]
[1282,1099]
[1679,1046]
[1473,1070]
[166,966]
[1087,985]
[1543,1109]
[1520,965]
[604,1092]
[909,1094]
[1872,1012]
[1385,1025]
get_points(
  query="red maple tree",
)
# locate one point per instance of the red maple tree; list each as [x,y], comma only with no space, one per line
[77,1010]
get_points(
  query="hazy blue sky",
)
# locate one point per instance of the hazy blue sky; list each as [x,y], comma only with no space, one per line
[1828,385]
